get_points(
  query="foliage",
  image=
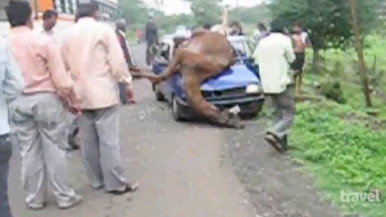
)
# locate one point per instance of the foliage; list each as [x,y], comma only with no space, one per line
[328,21]
[343,155]
[134,11]
[206,11]
[253,15]
[332,90]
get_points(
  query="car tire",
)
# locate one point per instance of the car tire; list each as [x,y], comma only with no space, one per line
[158,94]
[249,115]
[176,110]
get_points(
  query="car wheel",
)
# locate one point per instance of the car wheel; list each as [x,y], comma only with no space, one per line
[158,94]
[176,110]
[249,115]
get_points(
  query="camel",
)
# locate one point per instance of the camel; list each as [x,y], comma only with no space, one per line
[205,55]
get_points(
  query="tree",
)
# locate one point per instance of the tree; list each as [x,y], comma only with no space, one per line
[327,21]
[206,11]
[359,49]
[169,23]
[253,15]
[134,11]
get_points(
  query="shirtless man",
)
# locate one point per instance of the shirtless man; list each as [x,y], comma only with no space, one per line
[300,44]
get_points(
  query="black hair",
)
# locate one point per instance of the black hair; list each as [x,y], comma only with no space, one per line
[235,24]
[87,9]
[261,26]
[18,13]
[277,27]
[48,14]
[207,26]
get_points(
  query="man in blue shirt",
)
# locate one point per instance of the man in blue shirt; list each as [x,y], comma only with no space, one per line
[10,88]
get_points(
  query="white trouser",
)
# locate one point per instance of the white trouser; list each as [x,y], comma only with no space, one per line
[40,131]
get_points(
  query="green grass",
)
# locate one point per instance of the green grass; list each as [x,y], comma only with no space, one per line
[340,145]
[341,154]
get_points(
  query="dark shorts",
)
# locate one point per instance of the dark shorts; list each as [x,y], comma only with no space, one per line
[298,64]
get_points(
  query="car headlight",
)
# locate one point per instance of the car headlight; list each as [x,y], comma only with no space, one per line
[253,89]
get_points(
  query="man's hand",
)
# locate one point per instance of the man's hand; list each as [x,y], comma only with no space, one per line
[130,95]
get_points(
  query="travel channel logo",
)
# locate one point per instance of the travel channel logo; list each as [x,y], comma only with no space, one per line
[373,196]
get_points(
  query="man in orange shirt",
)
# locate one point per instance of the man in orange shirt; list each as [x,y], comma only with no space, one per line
[93,55]
[38,115]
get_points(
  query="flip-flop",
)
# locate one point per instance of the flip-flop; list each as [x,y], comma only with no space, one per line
[130,188]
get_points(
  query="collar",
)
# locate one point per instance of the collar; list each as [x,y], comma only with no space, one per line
[21,29]
[86,19]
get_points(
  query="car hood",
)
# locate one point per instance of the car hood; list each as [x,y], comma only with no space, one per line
[237,76]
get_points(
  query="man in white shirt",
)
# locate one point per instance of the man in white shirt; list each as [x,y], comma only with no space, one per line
[274,54]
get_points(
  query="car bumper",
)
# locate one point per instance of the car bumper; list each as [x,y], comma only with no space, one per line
[248,105]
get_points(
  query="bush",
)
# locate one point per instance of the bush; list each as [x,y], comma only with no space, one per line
[332,90]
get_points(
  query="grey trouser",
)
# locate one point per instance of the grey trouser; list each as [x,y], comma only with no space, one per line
[5,155]
[284,111]
[122,93]
[99,131]
[72,126]
[39,126]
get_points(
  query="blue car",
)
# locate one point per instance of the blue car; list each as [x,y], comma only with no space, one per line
[238,87]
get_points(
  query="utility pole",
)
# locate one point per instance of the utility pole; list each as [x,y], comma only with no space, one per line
[359,49]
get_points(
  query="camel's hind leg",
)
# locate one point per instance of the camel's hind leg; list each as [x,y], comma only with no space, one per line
[192,84]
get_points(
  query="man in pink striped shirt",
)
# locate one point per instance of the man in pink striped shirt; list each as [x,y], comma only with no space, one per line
[93,55]
[38,115]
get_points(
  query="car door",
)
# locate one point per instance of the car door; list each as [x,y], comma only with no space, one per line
[159,65]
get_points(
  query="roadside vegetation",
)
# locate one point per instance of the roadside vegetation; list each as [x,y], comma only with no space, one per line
[343,144]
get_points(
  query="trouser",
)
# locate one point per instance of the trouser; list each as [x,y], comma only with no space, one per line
[5,155]
[284,112]
[122,93]
[72,128]
[39,125]
[149,52]
[100,148]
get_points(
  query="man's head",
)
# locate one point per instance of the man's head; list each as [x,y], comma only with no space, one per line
[87,8]
[261,27]
[277,27]
[235,28]
[19,13]
[121,24]
[151,19]
[207,26]
[297,29]
[49,19]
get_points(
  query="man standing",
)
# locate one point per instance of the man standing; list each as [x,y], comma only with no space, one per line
[274,54]
[92,53]
[121,34]
[49,22]
[10,88]
[151,35]
[260,32]
[38,115]
[300,42]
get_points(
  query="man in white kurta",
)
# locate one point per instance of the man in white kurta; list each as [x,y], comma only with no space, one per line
[274,54]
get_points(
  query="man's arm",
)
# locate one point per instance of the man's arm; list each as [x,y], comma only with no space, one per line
[120,70]
[289,51]
[13,82]
[256,55]
[61,78]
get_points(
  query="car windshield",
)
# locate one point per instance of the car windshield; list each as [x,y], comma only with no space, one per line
[241,48]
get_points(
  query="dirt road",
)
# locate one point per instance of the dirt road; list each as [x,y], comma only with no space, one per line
[187,169]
